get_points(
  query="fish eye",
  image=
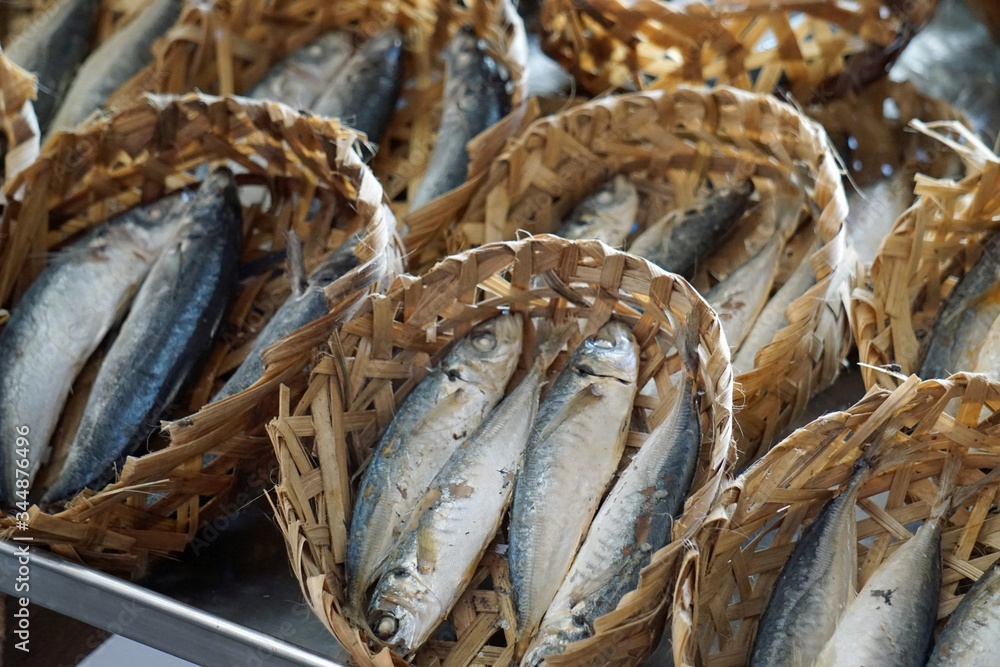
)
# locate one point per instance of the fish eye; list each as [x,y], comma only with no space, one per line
[605,197]
[386,627]
[484,342]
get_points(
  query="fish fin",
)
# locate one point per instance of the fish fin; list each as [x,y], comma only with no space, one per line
[587,397]
[296,262]
[444,406]
[552,338]
[948,489]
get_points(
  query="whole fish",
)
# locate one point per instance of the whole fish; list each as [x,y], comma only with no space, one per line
[51,48]
[972,634]
[477,95]
[114,62]
[62,318]
[301,77]
[364,92]
[607,215]
[576,444]
[891,621]
[815,586]
[740,297]
[437,417]
[678,242]
[303,306]
[634,521]
[772,318]
[169,328]
[966,317]
[451,528]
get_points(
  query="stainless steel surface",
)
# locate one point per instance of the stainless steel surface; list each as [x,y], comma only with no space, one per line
[228,586]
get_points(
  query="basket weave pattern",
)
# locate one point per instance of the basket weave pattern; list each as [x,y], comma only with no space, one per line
[375,359]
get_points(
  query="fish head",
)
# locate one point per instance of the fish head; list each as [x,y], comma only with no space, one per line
[488,353]
[612,352]
[404,612]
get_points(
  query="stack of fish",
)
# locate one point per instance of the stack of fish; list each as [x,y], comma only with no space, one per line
[815,617]
[460,456]
[71,84]
[750,306]
[362,87]
[172,267]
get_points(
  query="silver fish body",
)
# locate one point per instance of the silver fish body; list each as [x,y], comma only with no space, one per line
[114,62]
[873,211]
[576,445]
[891,621]
[772,317]
[607,215]
[364,93]
[972,634]
[52,48]
[438,553]
[477,96]
[437,417]
[815,586]
[966,317]
[739,298]
[678,243]
[301,77]
[297,311]
[60,321]
[168,330]
[634,522]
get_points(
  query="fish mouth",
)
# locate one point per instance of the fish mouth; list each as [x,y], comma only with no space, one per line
[589,371]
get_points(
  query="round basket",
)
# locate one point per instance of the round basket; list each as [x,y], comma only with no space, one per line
[816,49]
[226,46]
[930,247]
[375,359]
[882,153]
[682,139]
[786,489]
[162,498]
[17,117]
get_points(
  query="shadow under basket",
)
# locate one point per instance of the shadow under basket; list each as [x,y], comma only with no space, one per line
[286,164]
[921,425]
[375,359]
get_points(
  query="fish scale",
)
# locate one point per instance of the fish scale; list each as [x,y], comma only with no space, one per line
[576,445]
[63,317]
[434,420]
[450,530]
[633,522]
[169,328]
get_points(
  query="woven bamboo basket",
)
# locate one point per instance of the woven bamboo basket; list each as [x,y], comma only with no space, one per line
[17,117]
[814,49]
[16,16]
[225,46]
[787,488]
[882,153]
[162,498]
[930,247]
[375,359]
[669,144]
